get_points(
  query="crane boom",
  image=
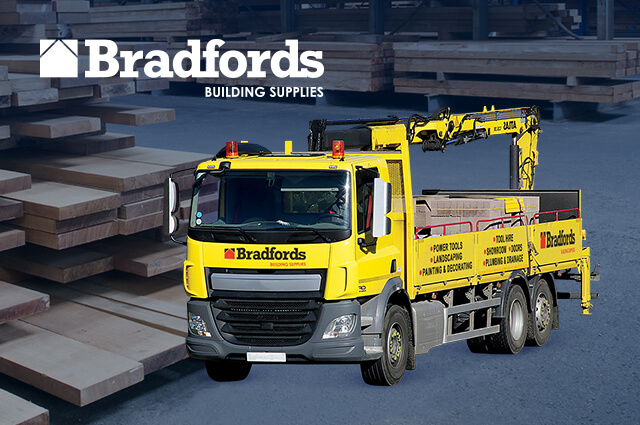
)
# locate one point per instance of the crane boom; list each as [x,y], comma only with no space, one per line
[440,130]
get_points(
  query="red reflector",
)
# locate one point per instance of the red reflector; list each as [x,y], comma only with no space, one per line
[232,149]
[338,149]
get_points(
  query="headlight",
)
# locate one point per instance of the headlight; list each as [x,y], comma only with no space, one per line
[197,325]
[340,327]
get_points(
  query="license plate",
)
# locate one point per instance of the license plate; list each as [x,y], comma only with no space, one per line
[267,357]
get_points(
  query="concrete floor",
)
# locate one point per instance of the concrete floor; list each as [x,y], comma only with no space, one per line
[587,373]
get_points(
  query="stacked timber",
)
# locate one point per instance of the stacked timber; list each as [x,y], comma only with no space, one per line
[626,17]
[361,67]
[160,21]
[578,71]
[412,17]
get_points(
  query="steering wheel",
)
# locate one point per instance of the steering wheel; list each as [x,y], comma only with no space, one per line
[328,217]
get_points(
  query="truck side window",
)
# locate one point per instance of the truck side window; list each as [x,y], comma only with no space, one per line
[364,192]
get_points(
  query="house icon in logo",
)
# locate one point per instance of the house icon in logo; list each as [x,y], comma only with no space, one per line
[59,58]
[230,254]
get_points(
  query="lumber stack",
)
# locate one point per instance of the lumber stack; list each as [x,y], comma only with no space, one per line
[161,21]
[101,335]
[361,67]
[11,209]
[577,71]
[448,22]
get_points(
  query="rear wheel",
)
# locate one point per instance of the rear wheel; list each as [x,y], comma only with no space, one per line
[227,370]
[513,327]
[539,329]
[389,369]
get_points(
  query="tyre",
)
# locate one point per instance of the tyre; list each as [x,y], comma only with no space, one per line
[227,370]
[513,327]
[478,345]
[539,329]
[396,340]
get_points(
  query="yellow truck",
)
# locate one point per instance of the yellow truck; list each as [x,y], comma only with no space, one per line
[327,256]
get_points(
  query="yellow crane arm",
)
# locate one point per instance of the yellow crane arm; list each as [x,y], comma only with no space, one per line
[440,130]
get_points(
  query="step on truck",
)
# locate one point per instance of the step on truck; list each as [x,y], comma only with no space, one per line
[327,256]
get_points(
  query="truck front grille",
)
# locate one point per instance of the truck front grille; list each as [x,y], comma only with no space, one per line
[273,322]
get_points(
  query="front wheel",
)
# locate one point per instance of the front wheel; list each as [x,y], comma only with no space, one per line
[389,369]
[227,370]
[539,329]
[513,327]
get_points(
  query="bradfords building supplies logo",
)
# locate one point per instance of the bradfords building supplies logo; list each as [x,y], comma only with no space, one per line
[550,240]
[269,253]
[59,59]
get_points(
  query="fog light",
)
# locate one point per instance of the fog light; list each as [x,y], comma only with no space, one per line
[340,327]
[197,325]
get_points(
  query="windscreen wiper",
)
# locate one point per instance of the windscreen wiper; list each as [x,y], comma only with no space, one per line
[298,228]
[238,229]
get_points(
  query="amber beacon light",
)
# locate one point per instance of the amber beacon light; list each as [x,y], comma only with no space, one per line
[338,149]
[232,149]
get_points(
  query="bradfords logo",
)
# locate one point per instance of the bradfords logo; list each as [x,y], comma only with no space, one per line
[58,58]
[269,253]
[549,240]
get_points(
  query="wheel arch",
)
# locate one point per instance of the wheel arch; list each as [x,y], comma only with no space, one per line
[519,278]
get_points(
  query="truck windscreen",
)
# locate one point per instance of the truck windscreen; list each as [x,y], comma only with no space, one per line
[273,206]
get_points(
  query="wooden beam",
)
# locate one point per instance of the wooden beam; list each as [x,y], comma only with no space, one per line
[60,266]
[17,302]
[11,238]
[153,348]
[63,367]
[10,209]
[17,411]
[178,160]
[50,225]
[125,114]
[87,145]
[11,181]
[48,126]
[72,238]
[60,201]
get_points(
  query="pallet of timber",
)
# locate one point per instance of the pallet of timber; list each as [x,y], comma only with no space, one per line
[11,181]
[125,114]
[60,266]
[153,348]
[63,367]
[11,238]
[51,126]
[142,257]
[17,411]
[17,302]
[88,145]
[77,292]
[101,173]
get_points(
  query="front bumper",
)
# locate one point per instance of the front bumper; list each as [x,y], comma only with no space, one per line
[343,350]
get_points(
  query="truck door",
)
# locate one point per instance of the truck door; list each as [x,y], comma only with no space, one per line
[378,260]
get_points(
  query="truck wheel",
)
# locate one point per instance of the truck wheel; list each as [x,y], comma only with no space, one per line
[513,327]
[227,370]
[389,369]
[539,329]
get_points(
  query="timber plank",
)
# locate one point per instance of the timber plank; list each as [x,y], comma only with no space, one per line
[141,194]
[178,160]
[101,173]
[153,319]
[49,126]
[10,181]
[5,132]
[156,293]
[17,302]
[34,97]
[116,89]
[60,201]
[138,209]
[63,367]
[28,82]
[59,266]
[87,145]
[11,238]
[140,224]
[75,92]
[143,257]
[10,209]
[17,411]
[50,225]
[72,238]
[153,348]
[125,114]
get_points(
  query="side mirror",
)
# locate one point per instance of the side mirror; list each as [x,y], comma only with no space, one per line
[380,223]
[171,206]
